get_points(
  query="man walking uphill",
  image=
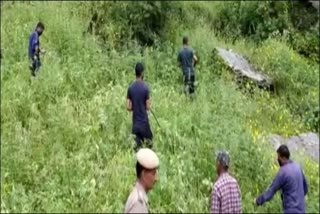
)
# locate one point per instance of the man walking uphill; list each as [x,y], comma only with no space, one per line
[187,60]
[138,101]
[34,48]
[292,182]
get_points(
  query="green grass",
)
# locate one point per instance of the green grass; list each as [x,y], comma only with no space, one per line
[65,136]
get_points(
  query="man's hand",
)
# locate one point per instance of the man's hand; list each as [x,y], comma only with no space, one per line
[42,50]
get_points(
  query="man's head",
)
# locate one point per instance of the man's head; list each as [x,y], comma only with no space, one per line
[185,40]
[40,28]
[222,162]
[146,167]
[283,154]
[139,70]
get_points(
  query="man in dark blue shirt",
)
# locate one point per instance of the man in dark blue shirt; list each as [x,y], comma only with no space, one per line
[138,101]
[291,181]
[34,48]
[187,60]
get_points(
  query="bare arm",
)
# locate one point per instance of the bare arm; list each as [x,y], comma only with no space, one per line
[129,102]
[148,104]
[195,60]
[129,105]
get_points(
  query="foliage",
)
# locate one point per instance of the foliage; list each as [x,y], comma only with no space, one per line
[65,135]
[261,20]
[142,21]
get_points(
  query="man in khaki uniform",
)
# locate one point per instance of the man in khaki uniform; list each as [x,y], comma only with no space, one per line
[146,169]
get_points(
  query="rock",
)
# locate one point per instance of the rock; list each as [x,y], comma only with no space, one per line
[306,143]
[243,69]
[315,4]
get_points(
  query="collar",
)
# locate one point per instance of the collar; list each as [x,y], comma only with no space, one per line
[288,162]
[222,175]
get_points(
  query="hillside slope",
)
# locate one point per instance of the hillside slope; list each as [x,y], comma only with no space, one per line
[65,135]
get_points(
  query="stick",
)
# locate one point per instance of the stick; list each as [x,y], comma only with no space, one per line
[155,118]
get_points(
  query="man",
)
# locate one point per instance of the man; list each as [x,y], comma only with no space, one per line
[292,182]
[34,48]
[146,170]
[138,101]
[226,195]
[187,60]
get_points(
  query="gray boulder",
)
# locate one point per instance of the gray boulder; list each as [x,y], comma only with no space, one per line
[243,70]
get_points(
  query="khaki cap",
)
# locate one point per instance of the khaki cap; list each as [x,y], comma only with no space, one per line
[147,158]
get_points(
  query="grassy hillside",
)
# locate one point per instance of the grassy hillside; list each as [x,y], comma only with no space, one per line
[65,135]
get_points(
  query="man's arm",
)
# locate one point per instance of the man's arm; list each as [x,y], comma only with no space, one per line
[194,59]
[35,42]
[148,101]
[239,204]
[276,184]
[215,201]
[305,184]
[179,60]
[129,103]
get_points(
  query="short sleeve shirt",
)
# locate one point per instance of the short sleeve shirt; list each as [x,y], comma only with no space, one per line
[185,58]
[139,93]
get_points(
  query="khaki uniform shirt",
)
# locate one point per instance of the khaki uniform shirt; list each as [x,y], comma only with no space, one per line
[137,201]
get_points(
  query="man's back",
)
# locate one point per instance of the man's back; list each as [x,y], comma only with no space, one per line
[293,190]
[33,42]
[185,58]
[138,93]
[226,195]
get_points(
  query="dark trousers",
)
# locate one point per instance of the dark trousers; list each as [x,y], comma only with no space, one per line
[189,83]
[142,133]
[35,65]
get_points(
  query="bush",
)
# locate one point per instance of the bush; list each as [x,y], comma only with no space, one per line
[143,21]
[262,20]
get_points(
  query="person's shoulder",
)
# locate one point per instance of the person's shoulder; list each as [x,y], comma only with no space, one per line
[146,85]
[219,182]
[131,84]
[34,34]
[233,179]
[181,50]
[134,195]
[132,199]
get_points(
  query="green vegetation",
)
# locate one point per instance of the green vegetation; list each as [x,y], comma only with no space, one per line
[65,135]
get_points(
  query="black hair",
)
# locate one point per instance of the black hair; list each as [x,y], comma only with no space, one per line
[139,69]
[40,25]
[283,151]
[139,169]
[185,40]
